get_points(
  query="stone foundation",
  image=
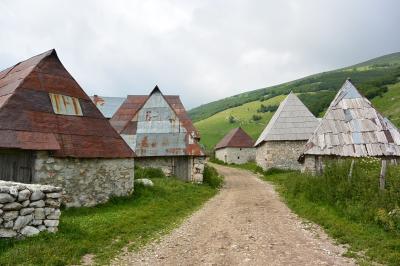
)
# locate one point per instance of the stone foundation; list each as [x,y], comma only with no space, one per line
[27,209]
[86,182]
[169,165]
[236,155]
[280,154]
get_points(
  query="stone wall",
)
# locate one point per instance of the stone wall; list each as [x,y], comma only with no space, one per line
[27,209]
[86,182]
[236,155]
[309,164]
[280,154]
[167,164]
[197,169]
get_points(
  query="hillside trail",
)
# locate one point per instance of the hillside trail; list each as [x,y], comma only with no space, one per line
[245,224]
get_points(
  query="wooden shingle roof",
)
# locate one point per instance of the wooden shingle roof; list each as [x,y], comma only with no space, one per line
[34,93]
[237,138]
[291,121]
[352,127]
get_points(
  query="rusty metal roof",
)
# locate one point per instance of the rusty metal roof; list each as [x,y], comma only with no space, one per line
[237,138]
[291,121]
[352,127]
[107,105]
[157,125]
[42,107]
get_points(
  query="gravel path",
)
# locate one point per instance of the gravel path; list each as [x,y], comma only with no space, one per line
[245,224]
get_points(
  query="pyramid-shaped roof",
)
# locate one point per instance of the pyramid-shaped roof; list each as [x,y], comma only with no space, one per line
[237,138]
[352,127]
[291,121]
[42,107]
[160,142]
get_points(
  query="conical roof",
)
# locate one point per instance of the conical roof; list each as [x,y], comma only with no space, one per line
[42,107]
[237,138]
[291,121]
[352,127]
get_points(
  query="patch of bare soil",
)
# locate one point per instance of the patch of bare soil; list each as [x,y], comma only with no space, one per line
[245,224]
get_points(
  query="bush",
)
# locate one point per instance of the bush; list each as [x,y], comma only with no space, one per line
[148,172]
[256,118]
[267,108]
[212,178]
[231,119]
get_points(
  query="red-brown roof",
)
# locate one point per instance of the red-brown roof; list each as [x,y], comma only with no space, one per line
[125,123]
[28,121]
[236,138]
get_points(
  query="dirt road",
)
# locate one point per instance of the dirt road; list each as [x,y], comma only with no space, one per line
[245,224]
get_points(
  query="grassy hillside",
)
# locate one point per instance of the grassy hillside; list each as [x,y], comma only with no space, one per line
[377,79]
[371,75]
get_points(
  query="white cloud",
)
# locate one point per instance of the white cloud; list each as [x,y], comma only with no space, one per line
[201,50]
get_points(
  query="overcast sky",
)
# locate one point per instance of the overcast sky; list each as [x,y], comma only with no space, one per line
[202,50]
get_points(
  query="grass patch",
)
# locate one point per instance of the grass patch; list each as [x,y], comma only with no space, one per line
[351,211]
[104,230]
[212,178]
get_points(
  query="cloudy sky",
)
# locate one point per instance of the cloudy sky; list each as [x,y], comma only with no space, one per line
[202,50]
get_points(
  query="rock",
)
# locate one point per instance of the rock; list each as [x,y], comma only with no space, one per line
[144,181]
[50,160]
[22,221]
[51,223]
[1,212]
[9,224]
[29,231]
[53,203]
[54,195]
[5,198]
[24,195]
[48,211]
[37,204]
[39,214]
[55,215]
[52,229]
[58,167]
[7,233]
[1,221]
[10,215]
[26,211]
[41,228]
[25,203]
[4,190]
[13,206]
[37,222]
[37,195]
[14,191]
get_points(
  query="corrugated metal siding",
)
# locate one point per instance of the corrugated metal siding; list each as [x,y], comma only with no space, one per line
[65,105]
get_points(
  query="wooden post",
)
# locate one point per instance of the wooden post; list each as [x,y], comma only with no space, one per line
[382,175]
[351,169]
[319,165]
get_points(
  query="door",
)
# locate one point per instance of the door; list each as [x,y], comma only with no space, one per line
[16,165]
[182,167]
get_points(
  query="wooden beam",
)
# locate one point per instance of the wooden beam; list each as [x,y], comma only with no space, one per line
[382,175]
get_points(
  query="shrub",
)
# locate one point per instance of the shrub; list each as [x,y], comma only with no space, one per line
[256,118]
[212,178]
[267,108]
[231,119]
[148,172]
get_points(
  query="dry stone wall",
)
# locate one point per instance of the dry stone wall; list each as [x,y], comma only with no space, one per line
[87,182]
[27,209]
[197,169]
[280,154]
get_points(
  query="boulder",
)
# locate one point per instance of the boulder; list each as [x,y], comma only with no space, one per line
[37,204]
[29,231]
[13,206]
[39,214]
[51,223]
[6,198]
[26,211]
[7,233]
[54,195]
[8,224]
[10,215]
[145,182]
[37,195]
[53,203]
[25,203]
[54,215]
[24,195]
[22,221]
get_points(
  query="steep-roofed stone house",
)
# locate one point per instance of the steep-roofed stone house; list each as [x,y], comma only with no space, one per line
[236,147]
[350,128]
[52,133]
[158,129]
[283,140]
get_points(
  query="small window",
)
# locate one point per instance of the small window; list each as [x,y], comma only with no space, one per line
[65,105]
[238,157]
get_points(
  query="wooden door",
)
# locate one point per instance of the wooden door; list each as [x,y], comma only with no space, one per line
[16,165]
[182,167]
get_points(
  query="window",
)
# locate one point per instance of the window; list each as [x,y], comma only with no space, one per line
[238,157]
[65,105]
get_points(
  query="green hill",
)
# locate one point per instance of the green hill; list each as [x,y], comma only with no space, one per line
[378,79]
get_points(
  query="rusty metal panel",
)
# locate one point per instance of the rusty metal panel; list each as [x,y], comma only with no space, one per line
[65,105]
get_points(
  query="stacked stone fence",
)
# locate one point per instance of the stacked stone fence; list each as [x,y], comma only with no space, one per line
[28,209]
